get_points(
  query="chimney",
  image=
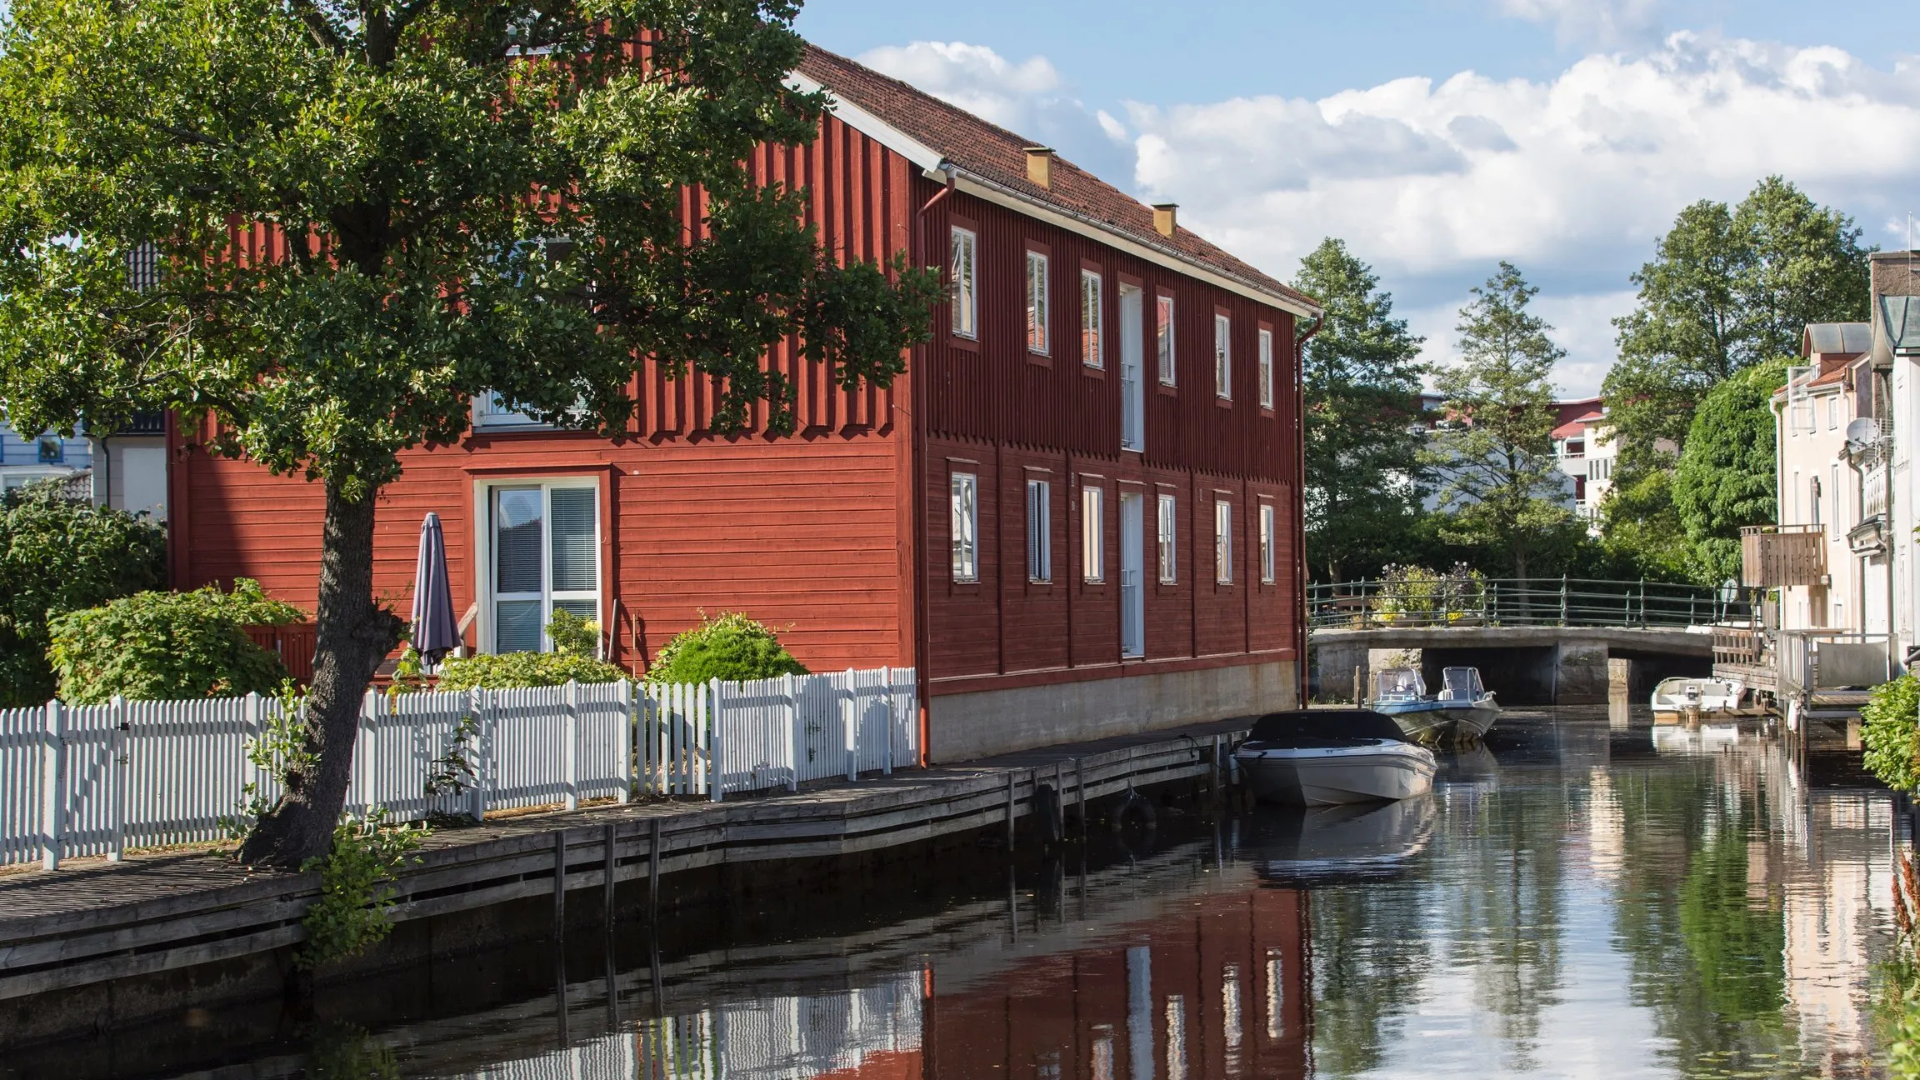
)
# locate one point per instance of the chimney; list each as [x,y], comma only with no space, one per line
[1040,164]
[1164,218]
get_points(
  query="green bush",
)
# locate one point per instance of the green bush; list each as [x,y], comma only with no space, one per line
[56,556]
[1890,730]
[507,671]
[160,646]
[730,647]
[573,635]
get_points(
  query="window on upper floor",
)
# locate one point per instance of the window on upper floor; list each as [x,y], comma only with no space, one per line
[1091,353]
[1163,338]
[1266,369]
[1222,541]
[1037,337]
[1223,357]
[1093,533]
[1167,539]
[546,558]
[964,493]
[1833,412]
[1039,530]
[962,286]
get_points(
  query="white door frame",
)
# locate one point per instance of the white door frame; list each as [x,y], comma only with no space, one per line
[1133,593]
[1133,387]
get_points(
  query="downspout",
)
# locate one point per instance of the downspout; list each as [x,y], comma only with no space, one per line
[1300,502]
[917,395]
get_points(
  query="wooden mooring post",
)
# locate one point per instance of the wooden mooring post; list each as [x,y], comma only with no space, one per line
[607,861]
[653,872]
[559,884]
[1010,797]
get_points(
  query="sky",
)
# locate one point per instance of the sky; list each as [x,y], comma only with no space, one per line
[1438,137]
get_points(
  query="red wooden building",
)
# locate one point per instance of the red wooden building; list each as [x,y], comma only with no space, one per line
[1077,514]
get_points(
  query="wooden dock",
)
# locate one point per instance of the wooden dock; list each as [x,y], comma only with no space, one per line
[68,930]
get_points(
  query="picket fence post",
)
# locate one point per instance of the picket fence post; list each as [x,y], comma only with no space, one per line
[716,745]
[796,738]
[477,744]
[850,725]
[53,790]
[120,760]
[886,688]
[571,694]
[624,745]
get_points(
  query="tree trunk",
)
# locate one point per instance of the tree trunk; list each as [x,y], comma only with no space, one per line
[354,635]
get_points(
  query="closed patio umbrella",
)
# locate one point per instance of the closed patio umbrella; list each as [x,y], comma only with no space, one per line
[434,633]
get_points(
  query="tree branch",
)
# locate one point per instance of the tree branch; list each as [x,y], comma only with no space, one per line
[318,27]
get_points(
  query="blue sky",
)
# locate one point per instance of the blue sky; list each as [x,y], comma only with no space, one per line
[1439,136]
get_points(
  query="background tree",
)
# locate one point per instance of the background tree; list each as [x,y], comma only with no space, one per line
[1727,289]
[1361,377]
[1499,484]
[56,556]
[1725,478]
[459,197]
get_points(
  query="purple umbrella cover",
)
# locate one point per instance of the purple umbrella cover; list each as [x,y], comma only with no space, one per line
[434,631]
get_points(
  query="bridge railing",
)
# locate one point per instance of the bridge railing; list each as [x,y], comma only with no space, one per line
[1462,601]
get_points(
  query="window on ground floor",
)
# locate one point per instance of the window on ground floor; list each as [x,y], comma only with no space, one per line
[1166,538]
[1266,544]
[1039,531]
[546,558]
[1093,538]
[1222,541]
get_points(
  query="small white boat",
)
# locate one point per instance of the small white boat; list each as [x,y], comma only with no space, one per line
[1327,757]
[1462,711]
[1698,697]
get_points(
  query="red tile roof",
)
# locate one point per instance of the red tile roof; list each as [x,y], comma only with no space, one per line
[1577,426]
[998,156]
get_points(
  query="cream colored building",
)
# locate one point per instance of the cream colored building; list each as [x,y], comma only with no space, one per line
[1818,489]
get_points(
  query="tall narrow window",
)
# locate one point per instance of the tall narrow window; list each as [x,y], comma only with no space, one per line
[1167,538]
[1090,340]
[965,489]
[1037,303]
[965,296]
[1093,537]
[1222,357]
[1266,543]
[1222,541]
[1266,369]
[1163,338]
[546,558]
[1039,530]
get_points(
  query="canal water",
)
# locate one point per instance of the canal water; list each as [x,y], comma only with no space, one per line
[1588,895]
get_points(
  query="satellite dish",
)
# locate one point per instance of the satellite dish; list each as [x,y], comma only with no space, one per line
[1861,433]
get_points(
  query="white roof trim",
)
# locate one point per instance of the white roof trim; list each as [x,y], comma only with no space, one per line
[870,125]
[1114,238]
[935,166]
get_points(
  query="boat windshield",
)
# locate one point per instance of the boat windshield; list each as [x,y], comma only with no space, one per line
[1399,684]
[1461,684]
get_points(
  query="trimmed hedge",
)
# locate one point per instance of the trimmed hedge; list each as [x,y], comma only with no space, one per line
[730,646]
[507,671]
[161,646]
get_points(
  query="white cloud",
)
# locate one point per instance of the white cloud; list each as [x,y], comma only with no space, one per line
[1608,24]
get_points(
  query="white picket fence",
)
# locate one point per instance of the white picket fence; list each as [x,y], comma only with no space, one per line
[104,779]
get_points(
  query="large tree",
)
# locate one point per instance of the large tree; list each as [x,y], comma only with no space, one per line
[1726,476]
[1493,453]
[472,197]
[1361,376]
[1727,288]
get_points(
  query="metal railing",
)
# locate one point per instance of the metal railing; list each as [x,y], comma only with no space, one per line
[1460,601]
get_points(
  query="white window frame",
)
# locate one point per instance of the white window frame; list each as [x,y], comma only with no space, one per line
[1167,539]
[1093,339]
[1223,357]
[963,260]
[1267,546]
[1165,348]
[1266,368]
[1222,541]
[963,489]
[486,534]
[1093,533]
[1039,531]
[1039,329]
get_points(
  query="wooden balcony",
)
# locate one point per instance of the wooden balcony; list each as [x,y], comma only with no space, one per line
[1773,556]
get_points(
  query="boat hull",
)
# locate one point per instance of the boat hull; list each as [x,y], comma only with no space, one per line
[1337,776]
[1427,721]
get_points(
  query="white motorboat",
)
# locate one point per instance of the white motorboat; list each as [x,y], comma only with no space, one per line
[1698,697]
[1462,711]
[1328,757]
